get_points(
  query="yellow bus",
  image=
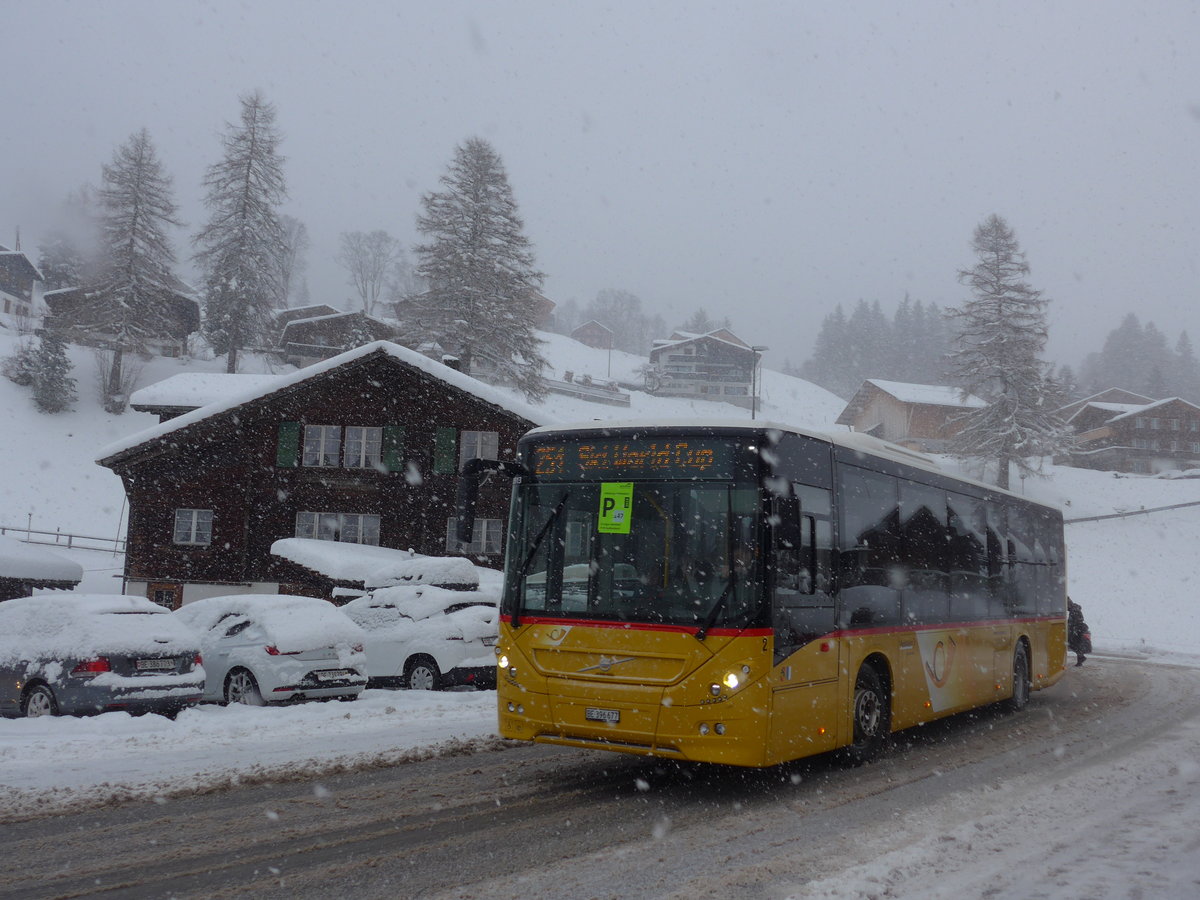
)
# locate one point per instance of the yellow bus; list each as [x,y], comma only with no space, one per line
[752,593]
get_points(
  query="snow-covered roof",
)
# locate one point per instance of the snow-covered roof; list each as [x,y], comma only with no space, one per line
[1113,408]
[927,394]
[196,389]
[403,355]
[20,254]
[1149,407]
[660,344]
[336,315]
[28,563]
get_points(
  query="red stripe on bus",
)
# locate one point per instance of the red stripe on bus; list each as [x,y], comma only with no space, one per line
[639,626]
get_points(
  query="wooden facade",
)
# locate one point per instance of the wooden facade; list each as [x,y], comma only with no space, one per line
[922,417]
[1146,438]
[244,474]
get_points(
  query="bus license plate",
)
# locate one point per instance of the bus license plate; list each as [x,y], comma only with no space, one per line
[595,714]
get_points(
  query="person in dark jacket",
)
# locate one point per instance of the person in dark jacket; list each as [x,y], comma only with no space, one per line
[1079,636]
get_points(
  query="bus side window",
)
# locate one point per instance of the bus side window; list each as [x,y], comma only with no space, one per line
[800,613]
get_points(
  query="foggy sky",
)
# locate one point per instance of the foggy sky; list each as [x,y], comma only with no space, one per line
[762,160]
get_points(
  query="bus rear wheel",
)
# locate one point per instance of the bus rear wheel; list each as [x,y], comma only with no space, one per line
[872,717]
[1021,684]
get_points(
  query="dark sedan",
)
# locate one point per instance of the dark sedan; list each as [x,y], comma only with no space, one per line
[89,653]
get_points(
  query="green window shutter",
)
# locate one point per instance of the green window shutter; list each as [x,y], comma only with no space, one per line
[288,450]
[444,446]
[393,448]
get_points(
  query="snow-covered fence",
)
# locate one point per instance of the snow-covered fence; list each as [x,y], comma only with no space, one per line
[64,539]
[1131,512]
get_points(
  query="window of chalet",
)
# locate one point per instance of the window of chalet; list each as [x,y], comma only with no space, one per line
[478,444]
[1139,422]
[1174,424]
[322,445]
[363,447]
[1154,423]
[1139,444]
[349,528]
[351,447]
[486,539]
[193,527]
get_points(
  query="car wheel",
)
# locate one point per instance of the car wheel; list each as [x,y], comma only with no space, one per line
[1021,685]
[872,717]
[39,701]
[422,674]
[240,687]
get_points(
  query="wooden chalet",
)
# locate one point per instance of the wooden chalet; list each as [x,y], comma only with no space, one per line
[717,366]
[923,417]
[1145,438]
[363,448]
[594,334]
[20,290]
[306,340]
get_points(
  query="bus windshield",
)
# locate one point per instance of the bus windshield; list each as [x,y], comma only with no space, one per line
[676,553]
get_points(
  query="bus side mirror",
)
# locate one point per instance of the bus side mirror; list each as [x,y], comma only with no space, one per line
[468,491]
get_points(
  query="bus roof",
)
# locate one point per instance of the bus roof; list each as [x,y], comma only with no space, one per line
[855,441]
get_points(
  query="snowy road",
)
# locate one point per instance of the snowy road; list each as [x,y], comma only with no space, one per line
[993,805]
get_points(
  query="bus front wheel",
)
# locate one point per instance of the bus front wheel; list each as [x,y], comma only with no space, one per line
[872,717]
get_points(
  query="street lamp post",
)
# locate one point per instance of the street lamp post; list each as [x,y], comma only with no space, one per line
[758,351]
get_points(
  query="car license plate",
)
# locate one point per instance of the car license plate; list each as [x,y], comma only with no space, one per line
[154,665]
[332,675]
[595,714]
[488,640]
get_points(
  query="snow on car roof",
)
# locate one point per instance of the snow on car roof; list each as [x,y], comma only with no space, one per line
[291,622]
[28,563]
[80,626]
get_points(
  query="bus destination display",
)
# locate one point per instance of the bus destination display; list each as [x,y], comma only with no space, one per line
[625,459]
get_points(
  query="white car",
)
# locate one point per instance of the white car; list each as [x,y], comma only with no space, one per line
[267,648]
[426,638]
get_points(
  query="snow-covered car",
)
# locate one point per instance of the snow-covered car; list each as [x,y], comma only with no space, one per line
[426,637]
[77,654]
[267,648]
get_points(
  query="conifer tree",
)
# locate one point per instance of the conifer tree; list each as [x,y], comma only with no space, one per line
[240,247]
[53,385]
[482,295]
[1000,335]
[129,302]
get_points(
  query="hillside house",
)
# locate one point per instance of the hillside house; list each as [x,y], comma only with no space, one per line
[921,417]
[1146,438]
[363,448]
[70,313]
[594,334]
[309,339]
[714,366]
[20,291]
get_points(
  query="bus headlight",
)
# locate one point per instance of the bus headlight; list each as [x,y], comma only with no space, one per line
[502,662]
[732,680]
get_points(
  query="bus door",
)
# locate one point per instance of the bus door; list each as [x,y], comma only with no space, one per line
[805,674]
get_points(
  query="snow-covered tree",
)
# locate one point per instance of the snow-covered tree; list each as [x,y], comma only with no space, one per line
[68,252]
[1000,335]
[129,302]
[621,312]
[482,295]
[53,384]
[240,247]
[370,258]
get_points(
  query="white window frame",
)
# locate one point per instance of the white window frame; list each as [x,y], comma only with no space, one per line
[322,446]
[194,526]
[1139,422]
[364,447]
[488,537]
[478,445]
[346,528]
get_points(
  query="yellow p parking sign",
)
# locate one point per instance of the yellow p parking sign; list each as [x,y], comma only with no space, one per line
[616,507]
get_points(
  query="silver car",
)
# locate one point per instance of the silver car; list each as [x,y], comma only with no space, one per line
[75,654]
[268,648]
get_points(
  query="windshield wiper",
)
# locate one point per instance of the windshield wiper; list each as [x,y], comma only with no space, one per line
[711,618]
[537,543]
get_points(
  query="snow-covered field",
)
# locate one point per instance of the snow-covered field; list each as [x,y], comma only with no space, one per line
[1132,575]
